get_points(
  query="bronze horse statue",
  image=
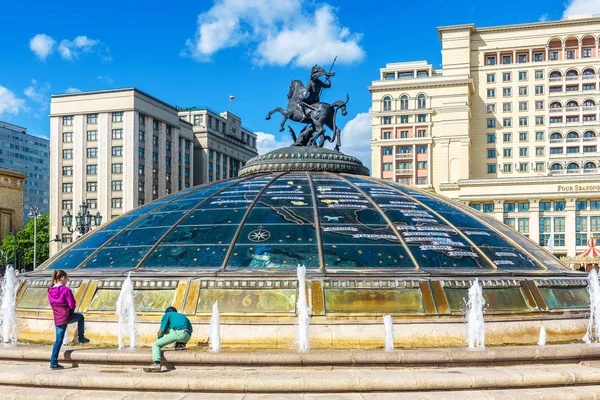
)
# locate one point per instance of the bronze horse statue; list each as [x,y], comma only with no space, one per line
[317,115]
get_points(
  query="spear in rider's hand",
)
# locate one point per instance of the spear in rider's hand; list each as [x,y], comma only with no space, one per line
[330,69]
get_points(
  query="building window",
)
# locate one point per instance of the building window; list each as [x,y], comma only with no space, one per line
[491,93]
[92,152]
[491,108]
[523,105]
[506,59]
[141,119]
[506,77]
[92,118]
[523,167]
[421,101]
[523,225]
[523,90]
[421,180]
[168,161]
[186,144]
[523,121]
[491,153]
[67,238]
[116,202]
[553,55]
[168,129]
[67,154]
[92,203]
[488,207]
[198,120]
[67,120]
[559,224]
[168,146]
[67,137]
[539,105]
[507,137]
[509,207]
[522,76]
[491,138]
[491,168]
[92,169]
[117,151]
[422,165]
[387,166]
[403,134]
[140,186]
[539,89]
[117,168]
[67,171]
[491,78]
[387,120]
[545,206]
[539,121]
[507,92]
[580,205]
[117,133]
[540,151]
[523,136]
[140,169]
[387,135]
[540,166]
[570,54]
[538,57]
[523,151]
[523,207]
[155,124]
[559,206]
[117,117]
[91,186]
[67,204]
[141,152]
[421,149]
[421,133]
[388,151]
[510,222]
[186,158]
[491,123]
[580,224]
[507,122]
[506,107]
[141,136]
[92,136]
[387,103]
[155,157]
[507,168]
[117,186]
[539,136]
[490,60]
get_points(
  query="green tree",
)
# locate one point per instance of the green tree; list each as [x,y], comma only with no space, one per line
[24,246]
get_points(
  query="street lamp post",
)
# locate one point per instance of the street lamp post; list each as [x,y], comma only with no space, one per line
[35,213]
[83,220]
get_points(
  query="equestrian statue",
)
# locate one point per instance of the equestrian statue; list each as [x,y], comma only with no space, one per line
[305,106]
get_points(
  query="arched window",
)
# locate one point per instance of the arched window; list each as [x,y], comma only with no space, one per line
[572,104]
[573,135]
[387,103]
[572,166]
[555,105]
[589,134]
[555,136]
[589,165]
[556,167]
[589,103]
[589,72]
[404,102]
[571,73]
[555,74]
[421,101]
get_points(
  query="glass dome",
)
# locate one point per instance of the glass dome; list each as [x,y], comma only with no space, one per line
[329,222]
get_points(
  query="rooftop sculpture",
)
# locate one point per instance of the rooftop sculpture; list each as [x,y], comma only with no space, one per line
[305,106]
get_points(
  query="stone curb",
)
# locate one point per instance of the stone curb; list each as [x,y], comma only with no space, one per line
[236,380]
[400,358]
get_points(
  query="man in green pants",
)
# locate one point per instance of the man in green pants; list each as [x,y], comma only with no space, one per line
[174,328]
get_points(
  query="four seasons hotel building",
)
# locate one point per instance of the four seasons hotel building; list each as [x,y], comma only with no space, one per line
[509,126]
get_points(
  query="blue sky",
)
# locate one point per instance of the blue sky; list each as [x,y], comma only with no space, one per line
[199,53]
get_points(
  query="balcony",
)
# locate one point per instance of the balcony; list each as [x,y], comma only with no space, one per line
[573,109]
[406,171]
[400,156]
[556,110]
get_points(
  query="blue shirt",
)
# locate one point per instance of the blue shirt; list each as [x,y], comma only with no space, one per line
[176,322]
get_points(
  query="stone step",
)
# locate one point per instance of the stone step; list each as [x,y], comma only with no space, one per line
[430,358]
[565,393]
[303,380]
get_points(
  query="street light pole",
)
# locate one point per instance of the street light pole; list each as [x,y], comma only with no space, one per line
[15,250]
[83,220]
[35,213]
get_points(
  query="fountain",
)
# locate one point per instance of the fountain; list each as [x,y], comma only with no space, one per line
[474,314]
[389,333]
[303,311]
[542,340]
[126,313]
[593,330]
[215,329]
[8,320]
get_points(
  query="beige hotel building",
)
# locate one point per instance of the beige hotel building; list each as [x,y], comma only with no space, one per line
[118,149]
[508,125]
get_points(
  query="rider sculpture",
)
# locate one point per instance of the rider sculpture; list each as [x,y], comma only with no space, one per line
[305,106]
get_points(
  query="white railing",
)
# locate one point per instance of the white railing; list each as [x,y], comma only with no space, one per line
[589,108]
[556,110]
[556,140]
[572,140]
[573,109]
[588,77]
[590,171]
[404,171]
[572,78]
[404,155]
[590,139]
[556,79]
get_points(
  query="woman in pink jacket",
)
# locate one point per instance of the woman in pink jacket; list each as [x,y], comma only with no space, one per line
[63,305]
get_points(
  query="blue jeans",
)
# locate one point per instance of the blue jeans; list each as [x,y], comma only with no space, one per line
[60,335]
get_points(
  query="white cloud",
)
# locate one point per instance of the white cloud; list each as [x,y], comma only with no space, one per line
[37,93]
[266,142]
[582,7]
[9,103]
[70,49]
[105,79]
[356,138]
[73,90]
[279,32]
[543,17]
[42,45]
